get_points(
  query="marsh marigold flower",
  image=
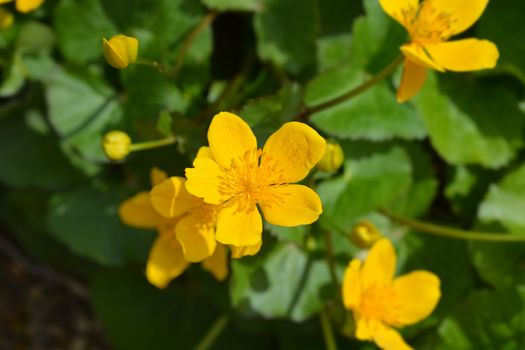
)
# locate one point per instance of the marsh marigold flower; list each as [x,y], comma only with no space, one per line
[365,234]
[166,259]
[121,50]
[239,177]
[25,6]
[381,302]
[430,24]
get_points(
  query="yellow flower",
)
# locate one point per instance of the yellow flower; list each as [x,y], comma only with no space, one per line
[380,302]
[430,23]
[120,50]
[167,258]
[240,176]
[25,6]
[333,158]
[116,145]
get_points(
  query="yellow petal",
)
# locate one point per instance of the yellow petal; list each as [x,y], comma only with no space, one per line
[165,261]
[170,198]
[412,80]
[25,6]
[197,237]
[205,180]
[417,55]
[138,212]
[230,138]
[397,8]
[352,285]
[204,152]
[416,296]
[239,224]
[363,329]
[464,55]
[239,252]
[291,152]
[217,264]
[291,205]
[380,265]
[120,50]
[388,339]
[157,176]
[463,13]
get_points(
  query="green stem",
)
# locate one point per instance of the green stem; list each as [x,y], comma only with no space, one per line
[328,332]
[330,258]
[448,232]
[157,65]
[153,144]
[213,333]
[308,111]
[205,22]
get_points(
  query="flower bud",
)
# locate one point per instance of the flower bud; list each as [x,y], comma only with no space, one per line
[26,6]
[116,145]
[120,50]
[333,158]
[6,18]
[365,234]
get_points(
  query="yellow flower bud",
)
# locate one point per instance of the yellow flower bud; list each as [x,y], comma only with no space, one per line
[365,234]
[333,158]
[120,50]
[116,145]
[6,19]
[26,6]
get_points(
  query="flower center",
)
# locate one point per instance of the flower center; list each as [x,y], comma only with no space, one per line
[249,181]
[378,302]
[427,25]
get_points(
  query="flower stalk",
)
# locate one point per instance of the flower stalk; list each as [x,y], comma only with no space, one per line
[453,233]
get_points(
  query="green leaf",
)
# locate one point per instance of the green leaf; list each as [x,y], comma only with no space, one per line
[284,282]
[82,124]
[80,27]
[35,37]
[370,180]
[505,202]
[502,264]
[373,115]
[287,40]
[266,114]
[86,221]
[462,112]
[487,320]
[31,155]
[138,316]
[501,23]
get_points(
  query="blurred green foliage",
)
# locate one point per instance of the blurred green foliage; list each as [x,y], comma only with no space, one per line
[453,155]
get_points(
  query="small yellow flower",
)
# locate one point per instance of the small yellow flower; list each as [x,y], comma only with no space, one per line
[25,6]
[121,50]
[116,145]
[365,234]
[381,302]
[185,227]
[333,158]
[240,176]
[6,18]
[430,24]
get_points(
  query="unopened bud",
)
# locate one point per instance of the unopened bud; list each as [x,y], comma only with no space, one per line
[365,234]
[26,6]
[116,145]
[6,18]
[120,50]
[333,158]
